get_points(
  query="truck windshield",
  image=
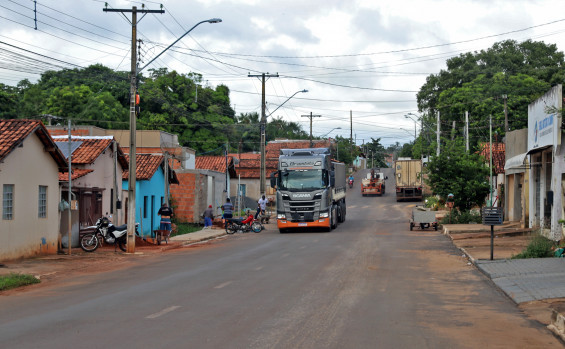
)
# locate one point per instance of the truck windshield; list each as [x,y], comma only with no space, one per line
[295,180]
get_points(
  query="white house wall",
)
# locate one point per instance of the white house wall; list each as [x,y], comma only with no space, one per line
[27,168]
[103,177]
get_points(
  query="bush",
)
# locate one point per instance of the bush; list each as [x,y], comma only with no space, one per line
[461,217]
[539,247]
[432,202]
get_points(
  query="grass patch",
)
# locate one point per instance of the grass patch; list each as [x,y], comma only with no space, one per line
[14,280]
[186,228]
[539,247]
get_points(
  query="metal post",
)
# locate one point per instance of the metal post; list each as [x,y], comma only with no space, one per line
[438,133]
[70,189]
[490,164]
[491,242]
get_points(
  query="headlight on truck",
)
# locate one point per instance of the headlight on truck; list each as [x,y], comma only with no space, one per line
[324,214]
[281,216]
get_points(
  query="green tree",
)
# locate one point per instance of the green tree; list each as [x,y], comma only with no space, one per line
[454,171]
[375,152]
[279,128]
[345,150]
[477,81]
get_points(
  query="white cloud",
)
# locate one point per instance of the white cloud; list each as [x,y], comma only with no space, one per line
[356,44]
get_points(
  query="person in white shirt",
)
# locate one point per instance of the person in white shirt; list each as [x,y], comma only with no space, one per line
[261,206]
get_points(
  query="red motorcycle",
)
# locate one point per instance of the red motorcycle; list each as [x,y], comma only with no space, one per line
[351,183]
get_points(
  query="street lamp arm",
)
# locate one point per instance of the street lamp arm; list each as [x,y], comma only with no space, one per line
[288,99]
[212,20]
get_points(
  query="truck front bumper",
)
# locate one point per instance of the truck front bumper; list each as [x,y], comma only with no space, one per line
[319,223]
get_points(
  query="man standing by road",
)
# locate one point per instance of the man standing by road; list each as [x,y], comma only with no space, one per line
[166,213]
[262,206]
[208,216]
[228,209]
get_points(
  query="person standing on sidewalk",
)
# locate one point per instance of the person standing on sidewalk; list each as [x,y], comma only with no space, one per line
[262,206]
[228,209]
[208,216]
[166,214]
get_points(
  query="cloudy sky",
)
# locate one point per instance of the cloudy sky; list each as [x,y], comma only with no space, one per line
[367,58]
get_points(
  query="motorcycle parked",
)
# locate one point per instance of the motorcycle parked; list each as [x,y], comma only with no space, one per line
[236,225]
[106,232]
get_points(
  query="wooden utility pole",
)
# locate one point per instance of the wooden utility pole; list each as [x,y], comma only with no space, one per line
[263,127]
[311,116]
[132,122]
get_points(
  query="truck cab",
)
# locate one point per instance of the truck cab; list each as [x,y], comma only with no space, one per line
[310,189]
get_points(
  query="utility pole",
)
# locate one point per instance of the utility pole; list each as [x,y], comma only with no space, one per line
[311,116]
[467,131]
[132,122]
[351,133]
[490,165]
[438,133]
[263,127]
[506,128]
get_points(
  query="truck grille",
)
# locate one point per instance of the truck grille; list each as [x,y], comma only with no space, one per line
[302,203]
[302,211]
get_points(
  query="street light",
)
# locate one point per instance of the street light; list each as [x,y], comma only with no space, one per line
[407,116]
[263,125]
[327,133]
[132,130]
[288,99]
[212,20]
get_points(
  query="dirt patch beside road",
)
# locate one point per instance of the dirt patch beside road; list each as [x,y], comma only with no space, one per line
[62,267]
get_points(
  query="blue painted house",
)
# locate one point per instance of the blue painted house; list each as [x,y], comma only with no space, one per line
[150,190]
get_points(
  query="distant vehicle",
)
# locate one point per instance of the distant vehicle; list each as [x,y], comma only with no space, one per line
[374,184]
[310,189]
[408,175]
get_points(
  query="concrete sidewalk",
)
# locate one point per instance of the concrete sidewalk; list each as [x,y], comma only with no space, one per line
[525,281]
[197,236]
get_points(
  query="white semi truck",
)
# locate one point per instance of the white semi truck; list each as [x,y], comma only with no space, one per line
[310,189]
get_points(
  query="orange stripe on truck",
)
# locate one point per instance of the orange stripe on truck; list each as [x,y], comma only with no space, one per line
[320,223]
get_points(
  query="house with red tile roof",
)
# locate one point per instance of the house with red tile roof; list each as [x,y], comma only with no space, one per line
[201,187]
[98,163]
[147,142]
[150,190]
[29,179]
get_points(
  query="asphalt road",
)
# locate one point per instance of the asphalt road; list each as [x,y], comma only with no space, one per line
[371,283]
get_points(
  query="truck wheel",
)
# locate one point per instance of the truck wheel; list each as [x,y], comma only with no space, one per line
[333,221]
[339,214]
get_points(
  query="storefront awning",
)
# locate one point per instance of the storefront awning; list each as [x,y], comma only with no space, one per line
[515,164]
[535,150]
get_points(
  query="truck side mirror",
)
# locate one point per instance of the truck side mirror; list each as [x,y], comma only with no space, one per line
[332,179]
[273,180]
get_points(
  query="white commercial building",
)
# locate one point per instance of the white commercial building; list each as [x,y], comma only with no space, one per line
[547,163]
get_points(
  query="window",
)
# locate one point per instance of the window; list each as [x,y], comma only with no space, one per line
[8,202]
[145,207]
[42,203]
